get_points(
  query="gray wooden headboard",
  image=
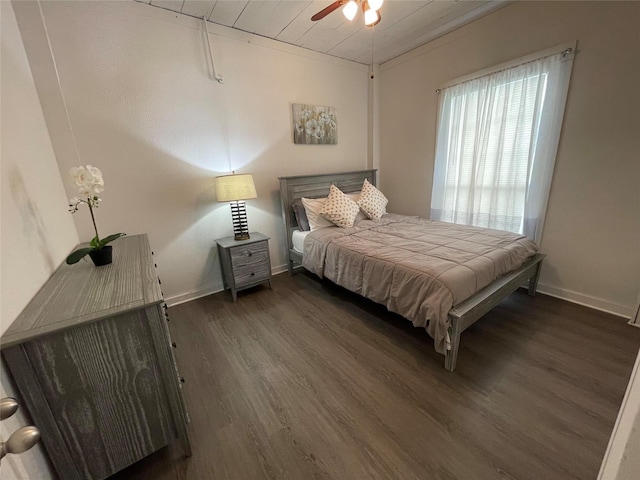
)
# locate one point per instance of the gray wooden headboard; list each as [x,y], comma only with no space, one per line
[313,186]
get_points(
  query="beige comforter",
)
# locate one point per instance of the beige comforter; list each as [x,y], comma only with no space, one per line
[416,267]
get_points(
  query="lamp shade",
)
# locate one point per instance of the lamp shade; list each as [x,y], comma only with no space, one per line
[230,188]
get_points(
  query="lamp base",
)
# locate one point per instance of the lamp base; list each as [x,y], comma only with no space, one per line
[239,219]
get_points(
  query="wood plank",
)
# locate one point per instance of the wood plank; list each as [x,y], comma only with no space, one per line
[302,23]
[321,35]
[269,18]
[311,381]
[358,46]
[227,12]
[429,22]
[198,8]
[174,5]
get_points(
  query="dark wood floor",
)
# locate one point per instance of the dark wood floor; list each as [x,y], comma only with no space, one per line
[310,381]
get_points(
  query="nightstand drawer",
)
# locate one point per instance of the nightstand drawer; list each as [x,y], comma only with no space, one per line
[247,255]
[252,274]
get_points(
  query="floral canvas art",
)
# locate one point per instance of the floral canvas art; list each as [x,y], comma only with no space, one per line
[314,125]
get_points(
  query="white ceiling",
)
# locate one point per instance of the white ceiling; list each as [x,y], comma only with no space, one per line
[405,25]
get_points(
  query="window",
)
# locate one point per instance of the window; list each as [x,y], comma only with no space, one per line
[496,145]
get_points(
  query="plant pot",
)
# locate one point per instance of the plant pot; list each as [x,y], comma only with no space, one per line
[102,256]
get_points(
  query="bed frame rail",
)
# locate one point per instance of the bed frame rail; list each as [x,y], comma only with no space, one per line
[465,314]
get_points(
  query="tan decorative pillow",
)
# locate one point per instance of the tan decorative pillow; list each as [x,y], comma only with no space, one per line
[339,208]
[372,201]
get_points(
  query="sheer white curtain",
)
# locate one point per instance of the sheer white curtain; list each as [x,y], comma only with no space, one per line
[496,145]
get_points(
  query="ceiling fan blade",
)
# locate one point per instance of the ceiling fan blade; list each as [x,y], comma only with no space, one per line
[326,11]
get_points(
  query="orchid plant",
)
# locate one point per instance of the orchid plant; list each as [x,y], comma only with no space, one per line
[89,183]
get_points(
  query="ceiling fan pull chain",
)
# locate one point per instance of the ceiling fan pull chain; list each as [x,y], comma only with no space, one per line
[371,75]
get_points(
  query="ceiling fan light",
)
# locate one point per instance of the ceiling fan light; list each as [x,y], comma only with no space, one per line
[375,4]
[350,9]
[371,17]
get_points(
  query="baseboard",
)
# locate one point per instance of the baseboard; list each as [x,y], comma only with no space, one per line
[279,269]
[568,295]
[586,300]
[203,292]
[187,297]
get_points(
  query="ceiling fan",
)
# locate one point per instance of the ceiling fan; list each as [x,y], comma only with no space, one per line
[370,9]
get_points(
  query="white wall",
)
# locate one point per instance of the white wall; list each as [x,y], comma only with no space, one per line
[145,111]
[592,229]
[37,231]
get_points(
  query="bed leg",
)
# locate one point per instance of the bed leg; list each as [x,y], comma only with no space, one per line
[290,264]
[533,281]
[451,356]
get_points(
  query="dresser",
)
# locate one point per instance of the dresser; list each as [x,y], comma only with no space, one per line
[93,361]
[245,263]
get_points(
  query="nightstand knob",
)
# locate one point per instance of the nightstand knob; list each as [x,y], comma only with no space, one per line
[252,274]
[250,254]
[181,380]
[173,344]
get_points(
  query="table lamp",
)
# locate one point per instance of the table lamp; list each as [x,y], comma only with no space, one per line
[236,189]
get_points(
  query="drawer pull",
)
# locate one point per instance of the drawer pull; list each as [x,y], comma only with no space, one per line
[173,344]
[181,379]
[20,441]
[8,406]
[252,274]
[159,282]
[250,254]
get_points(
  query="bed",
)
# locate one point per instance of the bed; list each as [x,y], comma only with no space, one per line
[450,317]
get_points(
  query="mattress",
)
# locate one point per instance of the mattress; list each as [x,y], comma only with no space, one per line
[298,240]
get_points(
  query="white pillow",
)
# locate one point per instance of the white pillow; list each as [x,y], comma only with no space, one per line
[312,207]
[372,201]
[339,208]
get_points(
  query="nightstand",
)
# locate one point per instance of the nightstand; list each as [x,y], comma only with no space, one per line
[245,263]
